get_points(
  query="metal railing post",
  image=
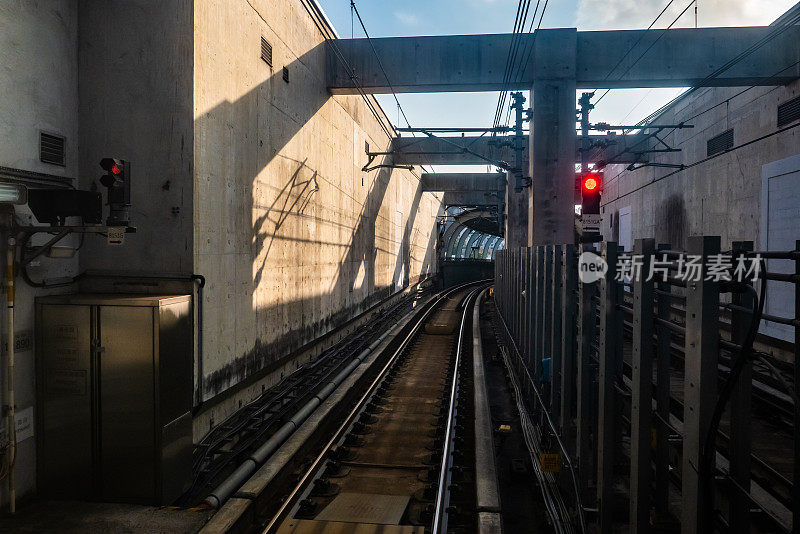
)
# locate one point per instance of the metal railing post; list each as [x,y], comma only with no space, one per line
[514,294]
[641,389]
[523,316]
[555,332]
[531,309]
[539,309]
[663,380]
[740,446]
[606,378]
[584,436]
[569,307]
[796,486]
[700,380]
[523,338]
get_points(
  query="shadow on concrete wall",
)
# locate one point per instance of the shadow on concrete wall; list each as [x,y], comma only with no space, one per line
[296,321]
[295,196]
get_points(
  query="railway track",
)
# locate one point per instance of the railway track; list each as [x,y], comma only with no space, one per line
[227,444]
[390,462]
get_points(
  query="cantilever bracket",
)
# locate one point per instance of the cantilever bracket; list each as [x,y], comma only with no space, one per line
[660,148]
[60,233]
[633,166]
[372,156]
[503,165]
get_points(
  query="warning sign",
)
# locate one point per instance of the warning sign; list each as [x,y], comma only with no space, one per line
[551,462]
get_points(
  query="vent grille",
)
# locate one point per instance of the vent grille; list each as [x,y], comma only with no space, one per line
[51,149]
[720,143]
[266,52]
[789,112]
[285,75]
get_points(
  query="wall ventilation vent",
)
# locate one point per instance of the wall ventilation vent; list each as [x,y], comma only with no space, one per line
[266,52]
[285,75]
[720,143]
[51,149]
[789,112]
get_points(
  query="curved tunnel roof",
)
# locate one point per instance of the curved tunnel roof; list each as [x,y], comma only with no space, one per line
[472,234]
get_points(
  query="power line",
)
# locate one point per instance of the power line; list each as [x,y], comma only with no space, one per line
[519,25]
[704,160]
[710,108]
[531,44]
[380,65]
[755,46]
[663,32]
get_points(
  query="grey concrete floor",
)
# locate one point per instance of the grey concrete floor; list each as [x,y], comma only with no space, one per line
[94,517]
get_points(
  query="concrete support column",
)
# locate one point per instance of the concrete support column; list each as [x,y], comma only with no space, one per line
[551,202]
[516,223]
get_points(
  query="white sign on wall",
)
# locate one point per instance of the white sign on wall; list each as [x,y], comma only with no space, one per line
[24,424]
[779,230]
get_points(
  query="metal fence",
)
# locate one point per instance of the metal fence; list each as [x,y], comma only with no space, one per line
[638,374]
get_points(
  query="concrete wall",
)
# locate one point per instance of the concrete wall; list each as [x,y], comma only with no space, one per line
[39,84]
[292,237]
[38,80]
[720,196]
[237,175]
[136,104]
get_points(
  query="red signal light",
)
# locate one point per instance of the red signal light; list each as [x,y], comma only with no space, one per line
[591,183]
[115,169]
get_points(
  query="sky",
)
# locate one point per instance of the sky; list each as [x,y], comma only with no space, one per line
[388,18]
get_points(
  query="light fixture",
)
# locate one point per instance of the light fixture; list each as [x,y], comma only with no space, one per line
[13,193]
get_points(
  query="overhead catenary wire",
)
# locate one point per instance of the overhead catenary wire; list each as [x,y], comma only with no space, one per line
[352,76]
[332,40]
[699,162]
[662,109]
[655,41]
[529,48]
[784,26]
[380,65]
[516,38]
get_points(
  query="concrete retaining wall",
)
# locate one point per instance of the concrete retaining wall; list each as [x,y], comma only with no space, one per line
[291,235]
[239,176]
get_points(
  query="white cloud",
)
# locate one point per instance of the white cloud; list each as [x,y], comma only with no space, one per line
[628,14]
[409,19]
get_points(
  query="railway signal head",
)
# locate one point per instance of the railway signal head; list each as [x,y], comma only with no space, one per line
[591,183]
[118,181]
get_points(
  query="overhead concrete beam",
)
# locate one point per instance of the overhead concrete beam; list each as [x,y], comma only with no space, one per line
[672,58]
[443,150]
[469,198]
[685,57]
[449,150]
[457,182]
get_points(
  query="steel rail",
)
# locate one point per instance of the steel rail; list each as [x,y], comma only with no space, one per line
[311,470]
[209,458]
[443,490]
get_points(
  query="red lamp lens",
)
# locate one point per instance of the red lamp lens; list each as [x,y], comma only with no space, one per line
[115,169]
[590,184]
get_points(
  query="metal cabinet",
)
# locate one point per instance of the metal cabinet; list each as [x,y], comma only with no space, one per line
[114,394]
